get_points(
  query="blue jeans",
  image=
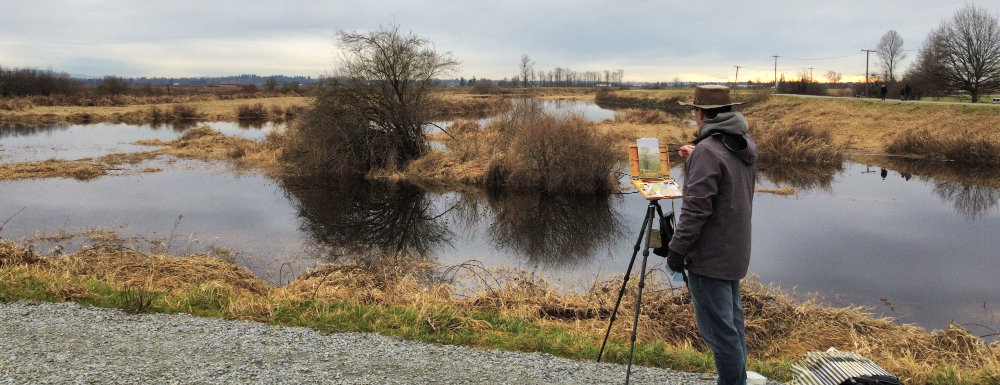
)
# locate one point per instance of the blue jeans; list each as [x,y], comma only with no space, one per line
[719,312]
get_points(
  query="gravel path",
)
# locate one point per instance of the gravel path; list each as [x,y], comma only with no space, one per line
[64,343]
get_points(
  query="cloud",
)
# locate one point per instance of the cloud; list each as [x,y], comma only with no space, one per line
[647,39]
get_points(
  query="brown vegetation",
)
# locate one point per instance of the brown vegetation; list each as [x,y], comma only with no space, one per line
[80,169]
[643,116]
[779,328]
[524,150]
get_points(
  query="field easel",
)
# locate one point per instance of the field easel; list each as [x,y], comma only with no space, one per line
[654,183]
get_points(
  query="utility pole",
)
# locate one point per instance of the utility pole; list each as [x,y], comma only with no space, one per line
[775,72]
[810,74]
[867,53]
[736,82]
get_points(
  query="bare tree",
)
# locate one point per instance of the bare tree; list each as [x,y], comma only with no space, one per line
[527,70]
[833,76]
[372,114]
[963,54]
[890,53]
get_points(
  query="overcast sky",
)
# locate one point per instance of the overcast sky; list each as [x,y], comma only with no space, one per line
[648,40]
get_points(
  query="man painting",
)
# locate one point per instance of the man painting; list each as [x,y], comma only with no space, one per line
[712,237]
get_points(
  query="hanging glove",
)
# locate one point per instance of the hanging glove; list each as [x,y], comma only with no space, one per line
[675,261]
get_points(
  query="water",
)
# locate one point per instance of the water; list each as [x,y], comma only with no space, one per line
[917,244]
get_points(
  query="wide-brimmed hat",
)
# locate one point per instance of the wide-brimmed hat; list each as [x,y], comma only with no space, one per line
[711,96]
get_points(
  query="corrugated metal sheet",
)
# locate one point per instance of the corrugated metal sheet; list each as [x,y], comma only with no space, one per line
[833,367]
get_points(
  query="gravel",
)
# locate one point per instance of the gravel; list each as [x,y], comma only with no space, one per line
[65,343]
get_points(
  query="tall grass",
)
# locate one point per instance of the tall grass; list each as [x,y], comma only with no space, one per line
[968,147]
[800,143]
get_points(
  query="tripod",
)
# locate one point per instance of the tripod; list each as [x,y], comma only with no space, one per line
[652,211]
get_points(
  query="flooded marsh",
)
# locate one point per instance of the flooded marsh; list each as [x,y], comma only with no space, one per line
[915,241]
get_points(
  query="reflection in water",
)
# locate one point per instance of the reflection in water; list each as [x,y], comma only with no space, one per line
[800,176]
[252,123]
[15,130]
[553,231]
[367,218]
[973,190]
[970,201]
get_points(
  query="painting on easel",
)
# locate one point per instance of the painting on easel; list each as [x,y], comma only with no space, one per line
[649,167]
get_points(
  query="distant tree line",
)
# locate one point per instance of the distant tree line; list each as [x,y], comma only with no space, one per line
[244,79]
[27,81]
[33,82]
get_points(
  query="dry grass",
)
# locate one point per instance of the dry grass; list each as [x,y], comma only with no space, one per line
[779,328]
[80,169]
[981,146]
[52,168]
[643,116]
[207,144]
[795,144]
[778,191]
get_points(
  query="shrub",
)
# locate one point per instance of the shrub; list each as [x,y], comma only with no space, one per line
[549,154]
[329,138]
[485,87]
[185,112]
[251,112]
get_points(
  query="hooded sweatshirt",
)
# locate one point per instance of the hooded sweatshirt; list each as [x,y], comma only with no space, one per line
[713,228]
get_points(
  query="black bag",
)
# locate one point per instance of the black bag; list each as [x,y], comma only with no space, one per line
[666,232]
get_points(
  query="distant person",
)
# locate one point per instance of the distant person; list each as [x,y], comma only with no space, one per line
[883,90]
[712,238]
[908,91]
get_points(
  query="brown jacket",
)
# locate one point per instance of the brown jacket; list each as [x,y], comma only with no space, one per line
[713,229]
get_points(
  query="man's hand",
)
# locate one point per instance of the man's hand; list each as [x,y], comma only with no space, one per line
[685,150]
[675,261]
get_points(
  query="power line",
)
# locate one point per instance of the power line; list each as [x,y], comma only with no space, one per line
[822,58]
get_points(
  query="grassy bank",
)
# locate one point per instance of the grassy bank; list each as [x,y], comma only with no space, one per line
[956,132]
[503,309]
[925,130]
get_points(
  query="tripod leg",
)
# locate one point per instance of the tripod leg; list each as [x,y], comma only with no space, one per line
[638,299]
[647,221]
